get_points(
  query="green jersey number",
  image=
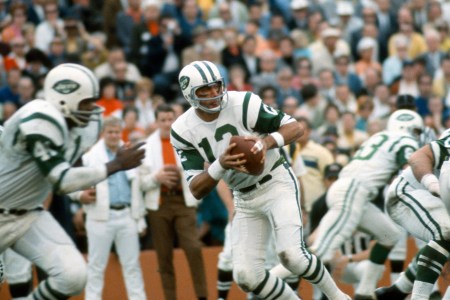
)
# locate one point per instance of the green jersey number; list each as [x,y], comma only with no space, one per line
[366,151]
[218,136]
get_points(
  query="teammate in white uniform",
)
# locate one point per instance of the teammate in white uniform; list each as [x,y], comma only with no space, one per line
[270,201]
[416,206]
[348,199]
[38,147]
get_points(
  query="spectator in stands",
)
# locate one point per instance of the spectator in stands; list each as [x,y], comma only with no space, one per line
[16,58]
[268,73]
[127,19]
[327,85]
[37,66]
[18,20]
[194,52]
[443,28]
[344,99]
[57,53]
[435,118]
[303,74]
[76,38]
[366,47]
[441,82]
[232,53]
[343,74]
[171,207]
[407,83]
[363,113]
[348,21]
[26,90]
[190,18]
[233,12]
[350,138]
[286,47]
[238,79]
[268,94]
[313,105]
[316,158]
[108,99]
[434,55]
[146,103]
[251,60]
[49,28]
[393,65]
[215,39]
[417,45]
[131,131]
[96,54]
[381,97]
[425,93]
[115,215]
[9,92]
[125,89]
[332,116]
[117,55]
[300,13]
[284,86]
[323,50]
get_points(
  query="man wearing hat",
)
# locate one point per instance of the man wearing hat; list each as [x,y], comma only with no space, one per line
[299,15]
[323,50]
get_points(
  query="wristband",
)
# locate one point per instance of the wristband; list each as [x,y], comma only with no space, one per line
[216,171]
[429,179]
[279,139]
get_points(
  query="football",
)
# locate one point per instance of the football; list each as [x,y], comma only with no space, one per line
[253,164]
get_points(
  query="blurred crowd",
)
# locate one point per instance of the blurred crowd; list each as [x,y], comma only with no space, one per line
[339,64]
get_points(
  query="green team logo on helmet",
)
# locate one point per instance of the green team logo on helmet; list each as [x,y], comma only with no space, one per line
[405,117]
[66,86]
[184,82]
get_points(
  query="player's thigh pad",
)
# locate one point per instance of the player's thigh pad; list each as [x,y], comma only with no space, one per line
[48,246]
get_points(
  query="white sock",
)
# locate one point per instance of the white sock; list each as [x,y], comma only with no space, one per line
[447,294]
[369,279]
[394,277]
[404,284]
[421,290]
[280,271]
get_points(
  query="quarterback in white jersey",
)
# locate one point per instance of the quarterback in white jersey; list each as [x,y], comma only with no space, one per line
[263,203]
[349,198]
[414,203]
[38,147]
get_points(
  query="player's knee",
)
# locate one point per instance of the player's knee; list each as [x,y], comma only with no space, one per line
[73,276]
[295,260]
[247,278]
[390,236]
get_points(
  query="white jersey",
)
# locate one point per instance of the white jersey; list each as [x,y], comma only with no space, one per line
[35,142]
[197,141]
[379,158]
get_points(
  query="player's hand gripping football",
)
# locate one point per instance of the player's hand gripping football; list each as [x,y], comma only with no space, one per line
[260,146]
[233,161]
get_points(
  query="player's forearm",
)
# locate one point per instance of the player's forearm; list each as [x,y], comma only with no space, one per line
[201,185]
[422,162]
[289,132]
[74,179]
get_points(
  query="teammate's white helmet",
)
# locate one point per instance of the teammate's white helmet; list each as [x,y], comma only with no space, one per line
[66,86]
[407,121]
[199,74]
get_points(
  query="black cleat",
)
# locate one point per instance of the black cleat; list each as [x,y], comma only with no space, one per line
[389,293]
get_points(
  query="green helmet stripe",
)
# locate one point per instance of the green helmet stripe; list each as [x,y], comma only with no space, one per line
[202,73]
[210,71]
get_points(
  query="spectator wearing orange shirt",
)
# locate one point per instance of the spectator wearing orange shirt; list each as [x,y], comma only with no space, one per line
[131,131]
[108,100]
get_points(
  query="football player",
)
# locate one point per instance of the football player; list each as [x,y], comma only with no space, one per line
[414,202]
[270,201]
[349,198]
[38,148]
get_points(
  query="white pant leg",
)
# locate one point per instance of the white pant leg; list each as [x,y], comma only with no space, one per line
[100,236]
[354,271]
[128,249]
[420,213]
[18,268]
[225,261]
[347,201]
[48,246]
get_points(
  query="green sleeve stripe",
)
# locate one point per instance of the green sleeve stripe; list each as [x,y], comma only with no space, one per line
[77,146]
[193,160]
[401,159]
[51,160]
[442,157]
[180,139]
[37,116]
[210,71]
[399,140]
[202,73]
[245,109]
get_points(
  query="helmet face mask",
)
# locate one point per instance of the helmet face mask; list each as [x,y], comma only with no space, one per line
[72,88]
[199,75]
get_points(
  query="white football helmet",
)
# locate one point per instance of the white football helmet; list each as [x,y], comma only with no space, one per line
[406,121]
[66,86]
[199,74]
